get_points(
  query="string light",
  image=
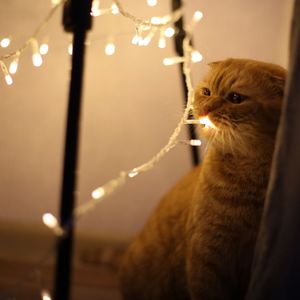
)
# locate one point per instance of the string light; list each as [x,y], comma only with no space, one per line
[7,77]
[14,56]
[152,3]
[112,185]
[105,190]
[110,49]
[5,42]
[44,48]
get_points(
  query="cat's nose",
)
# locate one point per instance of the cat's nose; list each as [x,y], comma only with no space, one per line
[206,111]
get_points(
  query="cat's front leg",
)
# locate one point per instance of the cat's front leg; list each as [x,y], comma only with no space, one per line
[210,270]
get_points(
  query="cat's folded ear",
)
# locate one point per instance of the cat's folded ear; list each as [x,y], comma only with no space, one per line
[278,83]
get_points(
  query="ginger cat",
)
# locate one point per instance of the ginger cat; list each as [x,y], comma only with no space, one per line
[199,242]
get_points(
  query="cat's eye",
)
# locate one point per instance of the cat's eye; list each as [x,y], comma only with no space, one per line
[206,92]
[236,98]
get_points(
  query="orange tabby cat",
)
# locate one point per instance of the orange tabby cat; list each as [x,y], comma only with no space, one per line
[199,242]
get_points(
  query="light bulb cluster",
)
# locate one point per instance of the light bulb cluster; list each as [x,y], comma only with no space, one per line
[145,31]
[10,62]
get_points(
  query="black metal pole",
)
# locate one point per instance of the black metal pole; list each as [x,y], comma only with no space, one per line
[179,37]
[77,20]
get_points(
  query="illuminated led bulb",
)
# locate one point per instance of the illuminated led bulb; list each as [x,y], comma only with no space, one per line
[70,49]
[195,143]
[13,67]
[152,2]
[196,56]
[173,60]
[146,41]
[45,295]
[156,20]
[162,42]
[206,122]
[95,11]
[7,77]
[133,173]
[44,48]
[98,193]
[37,59]
[135,39]
[114,9]
[5,42]
[169,32]
[49,220]
[110,49]
[198,15]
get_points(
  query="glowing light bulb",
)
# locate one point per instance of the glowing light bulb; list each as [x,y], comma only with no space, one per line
[114,9]
[133,173]
[95,11]
[110,49]
[195,143]
[169,32]
[162,42]
[135,40]
[152,2]
[173,60]
[13,67]
[146,41]
[207,122]
[198,15]
[49,220]
[98,193]
[37,59]
[5,42]
[45,295]
[156,20]
[196,56]
[44,48]
[8,79]
[70,49]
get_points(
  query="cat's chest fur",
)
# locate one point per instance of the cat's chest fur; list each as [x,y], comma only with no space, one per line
[223,219]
